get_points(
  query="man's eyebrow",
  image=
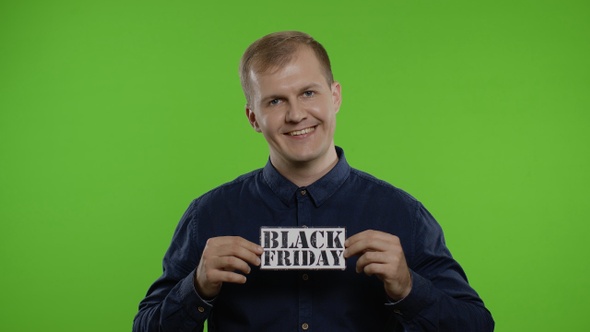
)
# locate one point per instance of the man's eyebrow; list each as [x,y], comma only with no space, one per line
[311,86]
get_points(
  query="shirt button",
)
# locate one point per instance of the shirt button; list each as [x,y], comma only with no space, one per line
[201,309]
[305,277]
[303,192]
[305,326]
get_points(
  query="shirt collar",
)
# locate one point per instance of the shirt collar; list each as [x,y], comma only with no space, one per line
[319,191]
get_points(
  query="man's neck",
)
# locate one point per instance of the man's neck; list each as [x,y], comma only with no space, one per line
[305,173]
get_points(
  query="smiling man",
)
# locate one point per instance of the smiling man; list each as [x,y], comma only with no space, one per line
[399,274]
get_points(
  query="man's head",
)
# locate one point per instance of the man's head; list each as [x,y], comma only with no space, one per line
[274,51]
[292,101]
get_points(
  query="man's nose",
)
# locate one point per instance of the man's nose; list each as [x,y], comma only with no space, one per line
[296,112]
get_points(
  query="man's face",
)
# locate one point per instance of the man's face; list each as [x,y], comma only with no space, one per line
[295,109]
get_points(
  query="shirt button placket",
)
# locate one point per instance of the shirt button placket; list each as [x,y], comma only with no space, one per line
[304,212]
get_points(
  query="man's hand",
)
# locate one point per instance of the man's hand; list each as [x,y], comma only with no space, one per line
[222,258]
[381,254]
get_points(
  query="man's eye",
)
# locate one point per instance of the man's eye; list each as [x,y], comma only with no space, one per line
[274,102]
[308,93]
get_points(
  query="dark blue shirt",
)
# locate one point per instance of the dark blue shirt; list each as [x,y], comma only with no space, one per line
[320,300]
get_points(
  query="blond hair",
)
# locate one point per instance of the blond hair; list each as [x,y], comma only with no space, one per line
[276,50]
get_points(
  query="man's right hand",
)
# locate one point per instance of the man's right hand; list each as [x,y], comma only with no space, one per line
[222,258]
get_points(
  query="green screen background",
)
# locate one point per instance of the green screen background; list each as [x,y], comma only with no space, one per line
[114,115]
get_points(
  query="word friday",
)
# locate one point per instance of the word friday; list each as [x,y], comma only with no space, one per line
[302,248]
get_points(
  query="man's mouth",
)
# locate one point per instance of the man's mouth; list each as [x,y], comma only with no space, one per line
[301,132]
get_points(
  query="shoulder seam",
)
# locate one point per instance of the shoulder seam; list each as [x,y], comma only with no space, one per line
[382,183]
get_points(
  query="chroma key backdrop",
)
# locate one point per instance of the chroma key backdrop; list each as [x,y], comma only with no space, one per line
[114,115]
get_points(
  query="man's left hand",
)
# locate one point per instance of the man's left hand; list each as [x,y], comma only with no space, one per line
[381,254]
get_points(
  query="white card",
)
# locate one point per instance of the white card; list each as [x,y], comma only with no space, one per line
[302,248]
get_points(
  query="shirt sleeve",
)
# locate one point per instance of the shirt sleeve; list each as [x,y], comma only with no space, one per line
[172,303]
[441,299]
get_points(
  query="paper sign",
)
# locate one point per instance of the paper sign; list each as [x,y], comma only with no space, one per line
[300,248]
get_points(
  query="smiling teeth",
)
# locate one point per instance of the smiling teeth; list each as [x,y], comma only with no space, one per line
[302,132]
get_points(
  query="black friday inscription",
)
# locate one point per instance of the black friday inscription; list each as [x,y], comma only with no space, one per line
[302,248]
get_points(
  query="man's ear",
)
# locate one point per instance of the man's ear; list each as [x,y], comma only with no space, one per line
[337,95]
[252,119]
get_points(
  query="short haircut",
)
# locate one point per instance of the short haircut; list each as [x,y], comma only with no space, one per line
[276,50]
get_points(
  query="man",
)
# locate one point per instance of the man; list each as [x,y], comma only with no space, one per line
[399,274]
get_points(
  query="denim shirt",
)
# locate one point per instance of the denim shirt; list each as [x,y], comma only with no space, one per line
[312,300]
